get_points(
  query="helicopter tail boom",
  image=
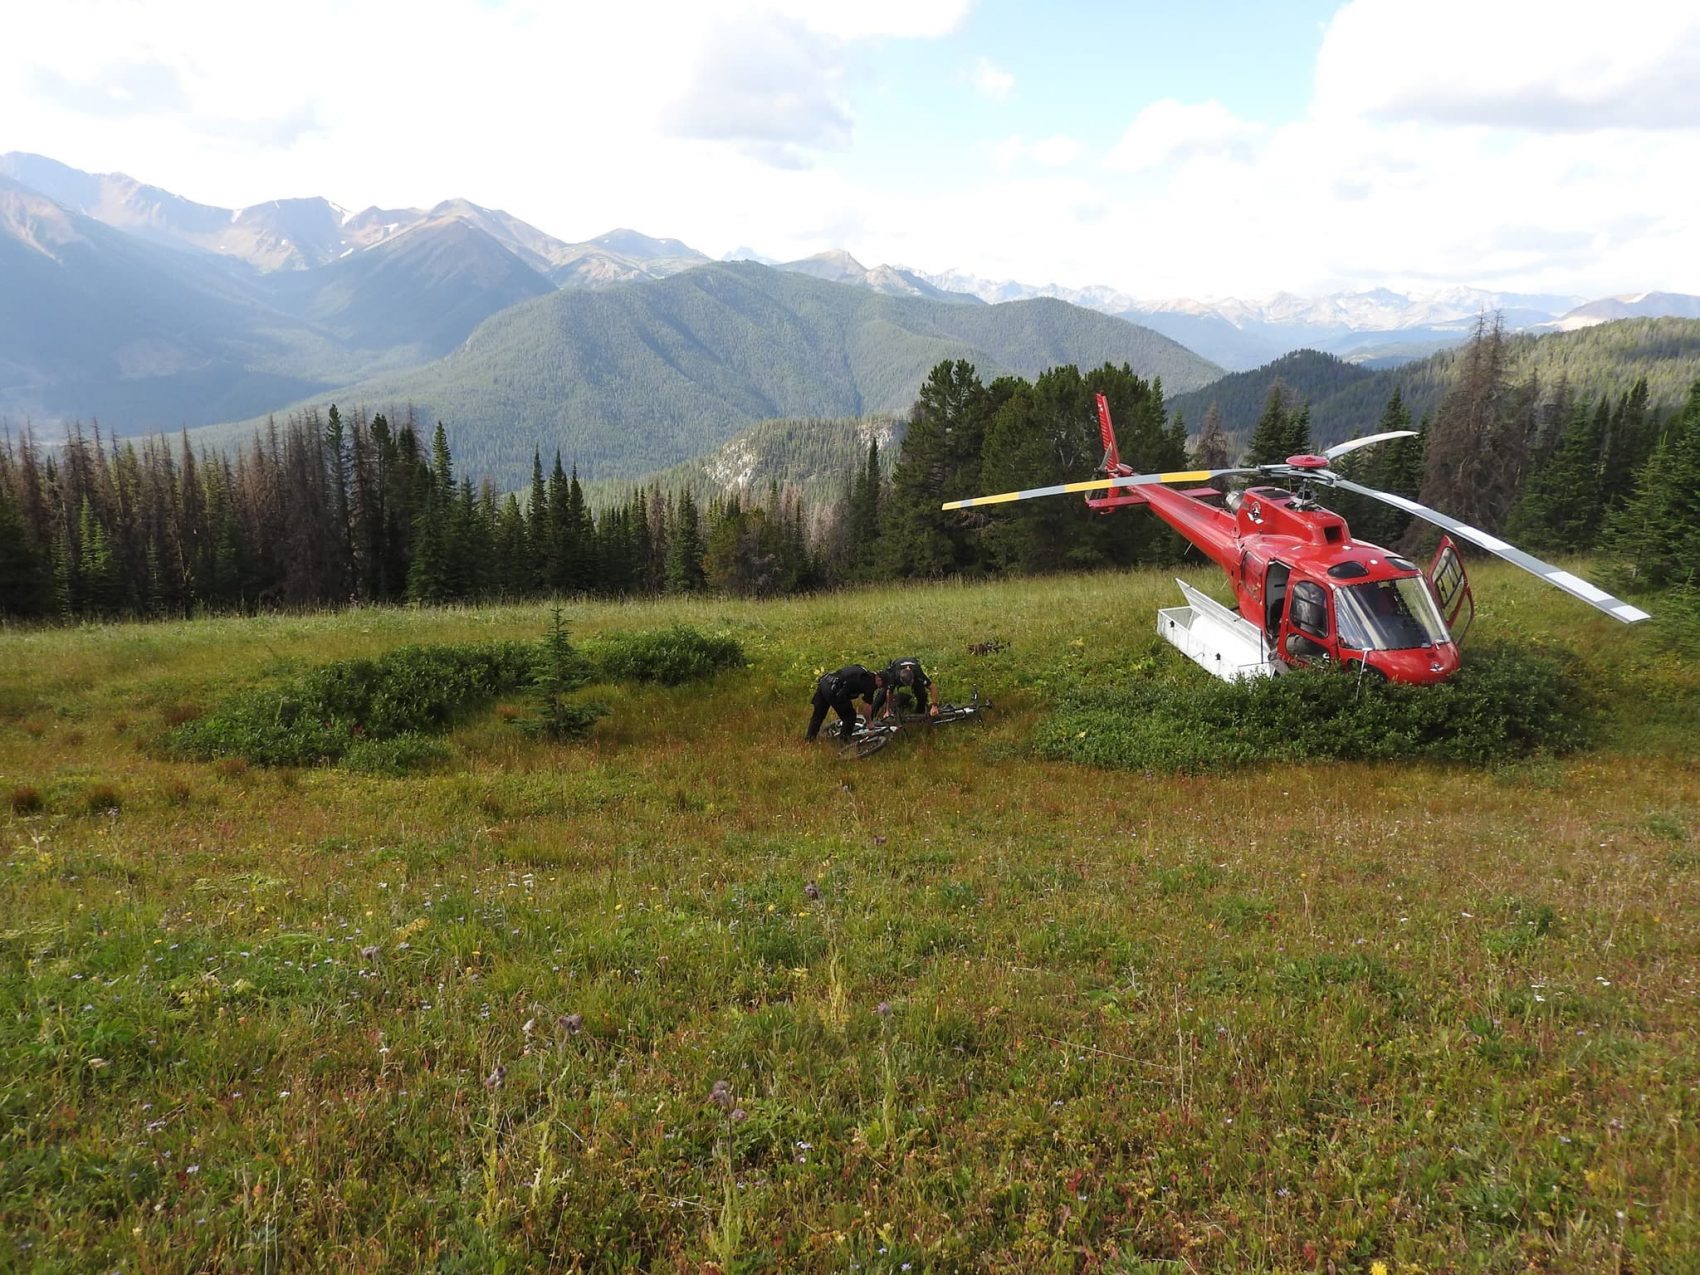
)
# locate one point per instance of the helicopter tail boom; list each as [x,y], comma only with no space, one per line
[1107,433]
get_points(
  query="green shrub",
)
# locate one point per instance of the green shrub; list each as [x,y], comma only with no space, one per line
[319,715]
[668,657]
[1508,702]
[394,756]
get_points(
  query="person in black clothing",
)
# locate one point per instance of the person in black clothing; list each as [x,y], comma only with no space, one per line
[906,674]
[838,692]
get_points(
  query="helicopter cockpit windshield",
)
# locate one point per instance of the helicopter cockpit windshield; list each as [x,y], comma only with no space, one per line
[1389,615]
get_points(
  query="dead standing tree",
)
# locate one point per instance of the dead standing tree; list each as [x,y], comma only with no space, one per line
[1478,442]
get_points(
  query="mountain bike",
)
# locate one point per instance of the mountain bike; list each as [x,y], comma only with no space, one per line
[875,737]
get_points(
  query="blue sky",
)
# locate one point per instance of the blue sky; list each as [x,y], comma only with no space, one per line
[1165,150]
[1085,72]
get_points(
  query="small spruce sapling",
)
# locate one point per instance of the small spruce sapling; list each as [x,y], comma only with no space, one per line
[560,671]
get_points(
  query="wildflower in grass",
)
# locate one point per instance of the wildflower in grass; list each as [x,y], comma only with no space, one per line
[572,1024]
[721,1095]
[1378,1268]
[812,890]
[883,1009]
[368,952]
[494,1080]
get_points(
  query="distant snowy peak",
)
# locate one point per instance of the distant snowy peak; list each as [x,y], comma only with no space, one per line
[1635,305]
[1107,300]
[640,247]
[746,253]
[838,266]
[304,234]
[1375,310]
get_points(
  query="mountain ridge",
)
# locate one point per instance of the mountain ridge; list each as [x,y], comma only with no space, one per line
[631,379]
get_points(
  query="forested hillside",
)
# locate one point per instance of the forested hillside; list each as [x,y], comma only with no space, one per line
[636,378]
[98,323]
[1345,399]
[810,456]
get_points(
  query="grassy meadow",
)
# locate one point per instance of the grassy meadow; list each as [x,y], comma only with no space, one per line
[693,996]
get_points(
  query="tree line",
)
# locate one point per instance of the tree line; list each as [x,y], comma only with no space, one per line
[327,511]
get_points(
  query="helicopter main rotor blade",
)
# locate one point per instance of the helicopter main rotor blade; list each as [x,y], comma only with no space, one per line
[1352,444]
[1099,484]
[1571,584]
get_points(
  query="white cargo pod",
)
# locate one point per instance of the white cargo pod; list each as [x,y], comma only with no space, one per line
[1221,642]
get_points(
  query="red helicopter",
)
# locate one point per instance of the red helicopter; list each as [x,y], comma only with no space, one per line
[1308,593]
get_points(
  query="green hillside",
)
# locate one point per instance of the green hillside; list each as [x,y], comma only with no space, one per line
[813,456]
[1347,399]
[413,298]
[637,378]
[101,325]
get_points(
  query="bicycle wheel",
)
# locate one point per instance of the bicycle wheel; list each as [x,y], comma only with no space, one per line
[866,743]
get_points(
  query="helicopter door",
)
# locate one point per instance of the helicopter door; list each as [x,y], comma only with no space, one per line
[1275,598]
[1451,587]
[1307,637]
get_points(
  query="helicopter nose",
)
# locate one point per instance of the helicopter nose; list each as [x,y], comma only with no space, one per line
[1420,666]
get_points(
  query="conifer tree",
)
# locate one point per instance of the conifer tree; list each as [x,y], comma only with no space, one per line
[1656,535]
[1213,450]
[99,583]
[862,516]
[339,463]
[25,580]
[558,576]
[1629,440]
[940,459]
[1395,466]
[537,527]
[1562,502]
[1273,432]
[1477,445]
[684,547]
[579,547]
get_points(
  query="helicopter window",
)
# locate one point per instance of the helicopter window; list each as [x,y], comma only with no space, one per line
[1348,570]
[1404,564]
[1309,609]
[1389,615]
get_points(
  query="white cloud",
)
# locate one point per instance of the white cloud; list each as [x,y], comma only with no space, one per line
[1568,66]
[1015,151]
[870,19]
[771,85]
[992,81]
[1167,131]
[1056,152]
[575,117]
